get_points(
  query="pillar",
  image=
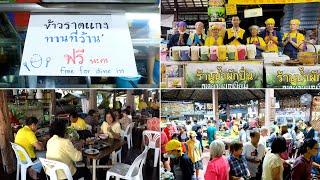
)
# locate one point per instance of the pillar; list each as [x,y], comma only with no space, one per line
[269,107]
[92,99]
[215,105]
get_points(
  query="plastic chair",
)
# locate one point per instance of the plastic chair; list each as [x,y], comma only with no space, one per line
[22,164]
[125,171]
[52,167]
[128,134]
[153,137]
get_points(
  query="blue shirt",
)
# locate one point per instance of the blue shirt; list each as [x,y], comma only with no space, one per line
[315,159]
[211,131]
[238,167]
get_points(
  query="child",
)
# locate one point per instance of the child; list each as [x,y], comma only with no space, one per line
[194,152]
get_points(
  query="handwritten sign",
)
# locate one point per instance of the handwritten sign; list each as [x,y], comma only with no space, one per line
[78,45]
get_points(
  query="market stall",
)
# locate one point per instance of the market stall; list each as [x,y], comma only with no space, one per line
[26,65]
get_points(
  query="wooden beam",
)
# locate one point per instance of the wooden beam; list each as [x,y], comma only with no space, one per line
[6,135]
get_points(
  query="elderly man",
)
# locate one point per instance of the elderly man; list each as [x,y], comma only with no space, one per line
[180,38]
[272,37]
[235,35]
[293,39]
[198,38]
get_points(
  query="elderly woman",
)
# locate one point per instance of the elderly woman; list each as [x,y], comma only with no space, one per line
[199,37]
[256,40]
[180,38]
[218,167]
[213,38]
[272,37]
[292,40]
[111,127]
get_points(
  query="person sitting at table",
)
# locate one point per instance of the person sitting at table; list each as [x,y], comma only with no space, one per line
[92,119]
[125,120]
[292,40]
[256,40]
[235,35]
[213,38]
[198,38]
[61,149]
[13,120]
[111,127]
[272,38]
[77,123]
[181,37]
[26,138]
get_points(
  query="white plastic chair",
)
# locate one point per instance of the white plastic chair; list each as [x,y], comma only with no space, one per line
[22,165]
[52,166]
[125,171]
[153,137]
[128,134]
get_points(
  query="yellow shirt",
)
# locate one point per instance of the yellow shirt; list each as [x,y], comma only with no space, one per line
[234,131]
[142,105]
[154,105]
[62,150]
[80,124]
[116,128]
[211,41]
[194,150]
[26,138]
[299,37]
[230,33]
[256,40]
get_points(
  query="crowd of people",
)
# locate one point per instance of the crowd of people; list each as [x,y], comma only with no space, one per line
[269,40]
[277,151]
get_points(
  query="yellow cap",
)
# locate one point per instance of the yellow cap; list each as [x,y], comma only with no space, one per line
[213,27]
[270,21]
[192,133]
[174,145]
[296,21]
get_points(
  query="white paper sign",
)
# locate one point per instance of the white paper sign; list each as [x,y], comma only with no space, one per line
[256,12]
[78,45]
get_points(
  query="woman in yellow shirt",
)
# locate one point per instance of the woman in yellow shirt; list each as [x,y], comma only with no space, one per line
[111,127]
[77,123]
[194,152]
[213,38]
[292,40]
[256,40]
[61,149]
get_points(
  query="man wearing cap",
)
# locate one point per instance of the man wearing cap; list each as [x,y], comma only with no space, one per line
[292,40]
[180,38]
[213,38]
[235,35]
[198,38]
[183,170]
[272,38]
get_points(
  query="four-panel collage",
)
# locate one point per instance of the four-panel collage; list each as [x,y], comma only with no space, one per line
[159,89]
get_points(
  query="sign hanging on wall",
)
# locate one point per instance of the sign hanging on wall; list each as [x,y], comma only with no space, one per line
[231,9]
[78,45]
[256,12]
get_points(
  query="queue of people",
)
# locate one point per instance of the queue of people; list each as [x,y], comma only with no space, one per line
[269,40]
[268,153]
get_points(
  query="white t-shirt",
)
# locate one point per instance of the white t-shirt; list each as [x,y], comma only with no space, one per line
[270,162]
[251,152]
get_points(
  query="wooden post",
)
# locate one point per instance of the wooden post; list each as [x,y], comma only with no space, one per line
[92,99]
[6,135]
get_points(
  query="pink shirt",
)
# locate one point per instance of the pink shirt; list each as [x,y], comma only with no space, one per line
[217,169]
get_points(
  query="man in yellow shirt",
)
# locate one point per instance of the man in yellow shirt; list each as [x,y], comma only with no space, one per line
[76,122]
[292,40]
[61,149]
[27,139]
[235,35]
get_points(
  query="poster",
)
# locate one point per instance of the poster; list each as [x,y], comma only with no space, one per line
[235,74]
[231,9]
[315,113]
[292,76]
[78,45]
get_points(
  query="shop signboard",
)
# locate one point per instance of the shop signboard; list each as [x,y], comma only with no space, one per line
[78,45]
[246,2]
[292,76]
[236,74]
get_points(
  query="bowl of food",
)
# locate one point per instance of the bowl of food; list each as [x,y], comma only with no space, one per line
[103,136]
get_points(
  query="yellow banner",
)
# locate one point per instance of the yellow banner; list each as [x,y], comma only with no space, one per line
[231,9]
[245,2]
